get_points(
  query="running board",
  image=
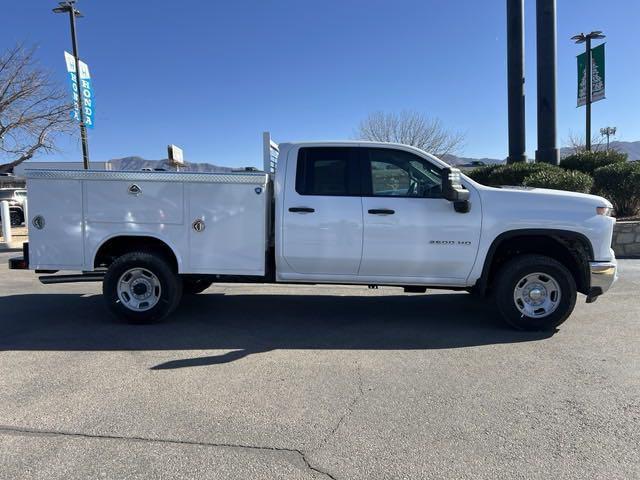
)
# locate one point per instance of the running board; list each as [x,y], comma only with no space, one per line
[84,277]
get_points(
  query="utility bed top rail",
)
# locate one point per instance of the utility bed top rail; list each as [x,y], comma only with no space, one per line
[194,177]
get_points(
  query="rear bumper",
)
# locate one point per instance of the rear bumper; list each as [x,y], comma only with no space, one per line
[18,263]
[602,276]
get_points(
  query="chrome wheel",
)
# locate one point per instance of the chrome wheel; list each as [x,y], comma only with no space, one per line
[139,289]
[537,295]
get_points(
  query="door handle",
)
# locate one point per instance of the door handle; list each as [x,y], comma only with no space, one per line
[381,211]
[301,210]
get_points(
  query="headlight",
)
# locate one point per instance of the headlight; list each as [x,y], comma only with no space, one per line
[606,211]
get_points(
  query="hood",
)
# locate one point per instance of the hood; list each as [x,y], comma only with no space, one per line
[540,204]
[555,195]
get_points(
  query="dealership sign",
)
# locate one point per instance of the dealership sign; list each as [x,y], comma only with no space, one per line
[88,113]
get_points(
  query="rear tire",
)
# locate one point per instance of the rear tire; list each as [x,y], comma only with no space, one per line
[142,287]
[535,292]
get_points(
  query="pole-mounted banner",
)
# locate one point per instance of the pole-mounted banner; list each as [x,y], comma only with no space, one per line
[597,75]
[86,91]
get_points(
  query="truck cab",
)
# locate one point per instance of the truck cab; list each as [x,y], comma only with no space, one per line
[373,214]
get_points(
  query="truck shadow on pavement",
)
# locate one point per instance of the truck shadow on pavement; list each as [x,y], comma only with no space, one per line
[248,324]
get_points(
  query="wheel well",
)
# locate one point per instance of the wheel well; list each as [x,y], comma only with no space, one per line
[117,246]
[573,251]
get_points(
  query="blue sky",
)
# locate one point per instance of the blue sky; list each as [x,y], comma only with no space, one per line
[210,76]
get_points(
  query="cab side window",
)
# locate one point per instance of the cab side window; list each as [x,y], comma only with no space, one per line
[328,171]
[395,173]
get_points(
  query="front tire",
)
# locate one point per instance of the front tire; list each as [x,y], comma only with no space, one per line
[142,287]
[535,292]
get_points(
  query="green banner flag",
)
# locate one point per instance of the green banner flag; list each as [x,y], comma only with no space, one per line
[597,75]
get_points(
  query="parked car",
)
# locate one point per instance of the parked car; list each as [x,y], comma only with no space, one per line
[20,195]
[339,213]
[16,204]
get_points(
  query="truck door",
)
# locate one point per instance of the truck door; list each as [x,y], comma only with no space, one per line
[322,215]
[409,229]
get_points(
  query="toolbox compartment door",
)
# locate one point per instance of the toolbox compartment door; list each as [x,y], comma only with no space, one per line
[135,201]
[230,237]
[57,240]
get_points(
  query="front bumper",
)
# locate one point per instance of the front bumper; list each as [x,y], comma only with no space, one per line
[603,275]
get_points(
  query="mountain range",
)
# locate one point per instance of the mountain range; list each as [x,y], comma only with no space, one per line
[138,163]
[632,149]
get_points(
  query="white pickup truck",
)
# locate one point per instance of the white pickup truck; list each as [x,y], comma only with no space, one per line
[321,212]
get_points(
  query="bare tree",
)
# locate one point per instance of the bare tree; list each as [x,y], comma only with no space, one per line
[410,128]
[576,143]
[33,108]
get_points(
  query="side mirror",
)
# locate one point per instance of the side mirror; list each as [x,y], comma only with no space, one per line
[452,188]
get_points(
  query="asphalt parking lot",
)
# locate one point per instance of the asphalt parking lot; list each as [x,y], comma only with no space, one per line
[248,382]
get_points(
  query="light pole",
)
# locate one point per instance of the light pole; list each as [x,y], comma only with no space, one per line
[546,59]
[515,81]
[608,132]
[586,39]
[68,6]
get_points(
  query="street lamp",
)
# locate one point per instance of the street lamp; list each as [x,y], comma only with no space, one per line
[68,6]
[608,132]
[586,39]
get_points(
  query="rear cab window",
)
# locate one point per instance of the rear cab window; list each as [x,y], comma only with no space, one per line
[328,171]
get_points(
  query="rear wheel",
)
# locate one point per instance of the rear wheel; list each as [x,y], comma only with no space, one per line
[535,292]
[195,286]
[142,287]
